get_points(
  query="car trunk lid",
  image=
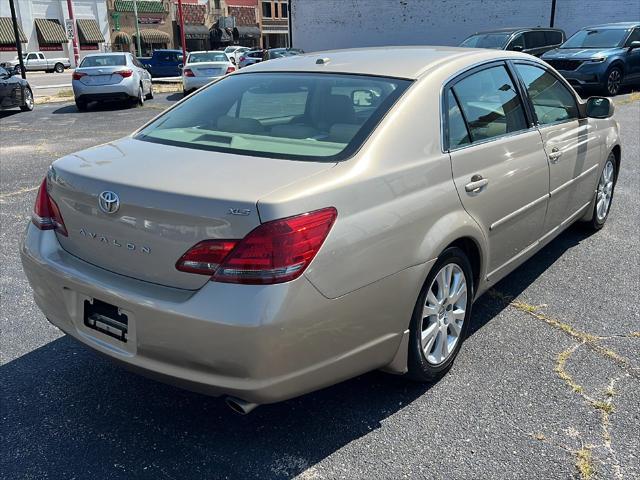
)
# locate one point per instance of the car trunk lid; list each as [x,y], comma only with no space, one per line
[169,199]
[209,69]
[101,75]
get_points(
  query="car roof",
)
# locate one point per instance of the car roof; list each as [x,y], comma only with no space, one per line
[514,30]
[105,54]
[618,25]
[206,51]
[401,62]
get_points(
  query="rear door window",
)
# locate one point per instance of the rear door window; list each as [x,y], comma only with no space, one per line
[490,104]
[552,101]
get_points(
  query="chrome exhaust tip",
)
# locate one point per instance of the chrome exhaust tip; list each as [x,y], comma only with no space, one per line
[240,406]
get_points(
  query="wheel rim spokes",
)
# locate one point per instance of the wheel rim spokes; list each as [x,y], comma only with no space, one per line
[444,313]
[605,191]
[614,81]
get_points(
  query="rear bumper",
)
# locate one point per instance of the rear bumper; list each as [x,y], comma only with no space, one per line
[259,343]
[192,83]
[118,91]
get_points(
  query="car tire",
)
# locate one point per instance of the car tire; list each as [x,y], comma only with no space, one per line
[449,320]
[28,100]
[603,196]
[139,100]
[185,93]
[58,68]
[613,81]
[81,105]
[149,95]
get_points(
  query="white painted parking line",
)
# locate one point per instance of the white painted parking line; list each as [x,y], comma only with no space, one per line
[52,86]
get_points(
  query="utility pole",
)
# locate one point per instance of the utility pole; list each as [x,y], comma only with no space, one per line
[74,40]
[135,14]
[182,36]
[16,33]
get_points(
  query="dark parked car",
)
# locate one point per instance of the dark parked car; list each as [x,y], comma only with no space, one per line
[259,55]
[14,91]
[534,41]
[163,63]
[604,56]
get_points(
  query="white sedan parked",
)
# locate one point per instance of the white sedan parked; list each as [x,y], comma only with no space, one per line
[202,67]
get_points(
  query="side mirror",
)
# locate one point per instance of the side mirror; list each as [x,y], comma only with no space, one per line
[634,44]
[599,107]
[180,65]
[517,48]
[233,60]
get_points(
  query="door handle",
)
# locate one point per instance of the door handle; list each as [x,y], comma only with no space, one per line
[555,154]
[477,184]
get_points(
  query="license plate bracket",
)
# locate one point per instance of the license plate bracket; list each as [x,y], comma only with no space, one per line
[106,319]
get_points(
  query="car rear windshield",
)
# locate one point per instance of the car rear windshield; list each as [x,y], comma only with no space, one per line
[104,61]
[300,116]
[593,38]
[486,40]
[207,57]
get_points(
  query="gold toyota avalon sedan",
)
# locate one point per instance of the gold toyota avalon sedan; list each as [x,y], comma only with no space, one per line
[311,218]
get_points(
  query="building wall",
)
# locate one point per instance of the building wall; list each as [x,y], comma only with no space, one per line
[327,24]
[28,10]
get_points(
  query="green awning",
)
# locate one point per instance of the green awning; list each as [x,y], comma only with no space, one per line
[144,6]
[151,35]
[122,38]
[50,31]
[89,31]
[6,32]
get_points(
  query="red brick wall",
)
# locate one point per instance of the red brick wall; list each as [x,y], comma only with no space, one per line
[245,16]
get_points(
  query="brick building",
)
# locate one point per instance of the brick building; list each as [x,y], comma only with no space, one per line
[274,23]
[154,21]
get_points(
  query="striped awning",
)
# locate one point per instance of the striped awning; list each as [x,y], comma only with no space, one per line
[143,6]
[150,35]
[122,38]
[6,32]
[89,31]
[50,30]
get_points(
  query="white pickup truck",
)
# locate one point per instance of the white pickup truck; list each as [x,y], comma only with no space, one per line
[37,61]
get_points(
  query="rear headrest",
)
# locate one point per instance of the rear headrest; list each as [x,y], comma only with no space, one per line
[239,125]
[342,132]
[335,109]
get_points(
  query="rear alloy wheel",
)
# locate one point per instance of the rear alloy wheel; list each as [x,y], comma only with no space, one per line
[28,103]
[613,81]
[441,317]
[59,68]
[604,193]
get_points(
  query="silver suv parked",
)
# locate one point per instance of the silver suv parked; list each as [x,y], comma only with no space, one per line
[307,220]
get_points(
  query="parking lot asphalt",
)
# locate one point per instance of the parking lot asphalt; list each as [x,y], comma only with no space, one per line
[546,386]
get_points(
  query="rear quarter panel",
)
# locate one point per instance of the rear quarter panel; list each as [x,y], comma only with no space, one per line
[396,201]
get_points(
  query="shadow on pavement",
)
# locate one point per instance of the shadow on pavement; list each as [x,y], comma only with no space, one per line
[95,107]
[174,97]
[68,412]
[10,113]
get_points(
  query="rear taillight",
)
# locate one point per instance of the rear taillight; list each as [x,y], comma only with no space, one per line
[205,257]
[274,252]
[46,214]
[231,69]
[188,72]
[78,75]
[124,73]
